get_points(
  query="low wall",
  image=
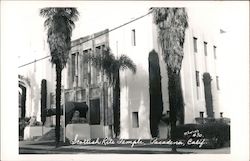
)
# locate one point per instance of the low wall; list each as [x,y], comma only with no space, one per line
[97,131]
[81,130]
[31,132]
[164,131]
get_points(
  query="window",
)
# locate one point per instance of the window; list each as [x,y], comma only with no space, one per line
[74,65]
[217,83]
[95,72]
[85,65]
[135,120]
[215,56]
[205,48]
[221,114]
[201,114]
[133,37]
[195,44]
[98,52]
[197,78]
[95,112]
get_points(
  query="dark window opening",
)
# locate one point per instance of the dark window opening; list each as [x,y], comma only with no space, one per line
[205,48]
[215,56]
[135,119]
[201,114]
[85,65]
[195,44]
[217,83]
[74,65]
[197,78]
[95,112]
[133,37]
[98,50]
[221,114]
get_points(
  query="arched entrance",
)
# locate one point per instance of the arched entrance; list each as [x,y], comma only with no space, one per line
[22,100]
[23,89]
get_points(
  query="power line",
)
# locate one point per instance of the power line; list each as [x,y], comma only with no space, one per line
[36,60]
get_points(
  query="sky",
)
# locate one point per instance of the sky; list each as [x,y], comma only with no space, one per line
[25,27]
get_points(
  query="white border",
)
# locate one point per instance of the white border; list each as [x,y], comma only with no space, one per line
[9,115]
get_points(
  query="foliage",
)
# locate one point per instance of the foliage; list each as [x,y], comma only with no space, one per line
[156,104]
[33,121]
[171,24]
[23,122]
[111,67]
[109,63]
[208,94]
[43,100]
[218,133]
[59,24]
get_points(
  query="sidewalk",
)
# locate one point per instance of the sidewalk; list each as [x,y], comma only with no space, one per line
[48,147]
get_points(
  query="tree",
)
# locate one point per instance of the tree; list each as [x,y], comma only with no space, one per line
[59,24]
[171,24]
[43,100]
[156,104]
[111,67]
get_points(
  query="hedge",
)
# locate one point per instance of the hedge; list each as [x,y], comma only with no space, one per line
[216,134]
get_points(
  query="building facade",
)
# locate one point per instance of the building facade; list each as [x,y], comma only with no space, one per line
[84,83]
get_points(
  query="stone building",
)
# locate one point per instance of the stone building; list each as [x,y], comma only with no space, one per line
[85,83]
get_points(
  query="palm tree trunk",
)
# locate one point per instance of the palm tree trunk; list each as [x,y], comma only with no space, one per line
[116,105]
[58,103]
[173,102]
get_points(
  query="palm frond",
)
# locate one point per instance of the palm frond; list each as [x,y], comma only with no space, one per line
[109,63]
[47,12]
[171,24]
[126,63]
[105,61]
[59,24]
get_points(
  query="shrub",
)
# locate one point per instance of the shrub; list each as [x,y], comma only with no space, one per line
[23,122]
[216,133]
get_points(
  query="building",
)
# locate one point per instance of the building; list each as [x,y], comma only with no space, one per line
[84,83]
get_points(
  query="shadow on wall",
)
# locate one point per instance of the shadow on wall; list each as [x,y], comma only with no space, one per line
[138,101]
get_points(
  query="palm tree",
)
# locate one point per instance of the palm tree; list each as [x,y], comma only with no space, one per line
[111,67]
[171,24]
[59,24]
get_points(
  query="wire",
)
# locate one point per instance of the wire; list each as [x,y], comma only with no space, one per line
[36,60]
